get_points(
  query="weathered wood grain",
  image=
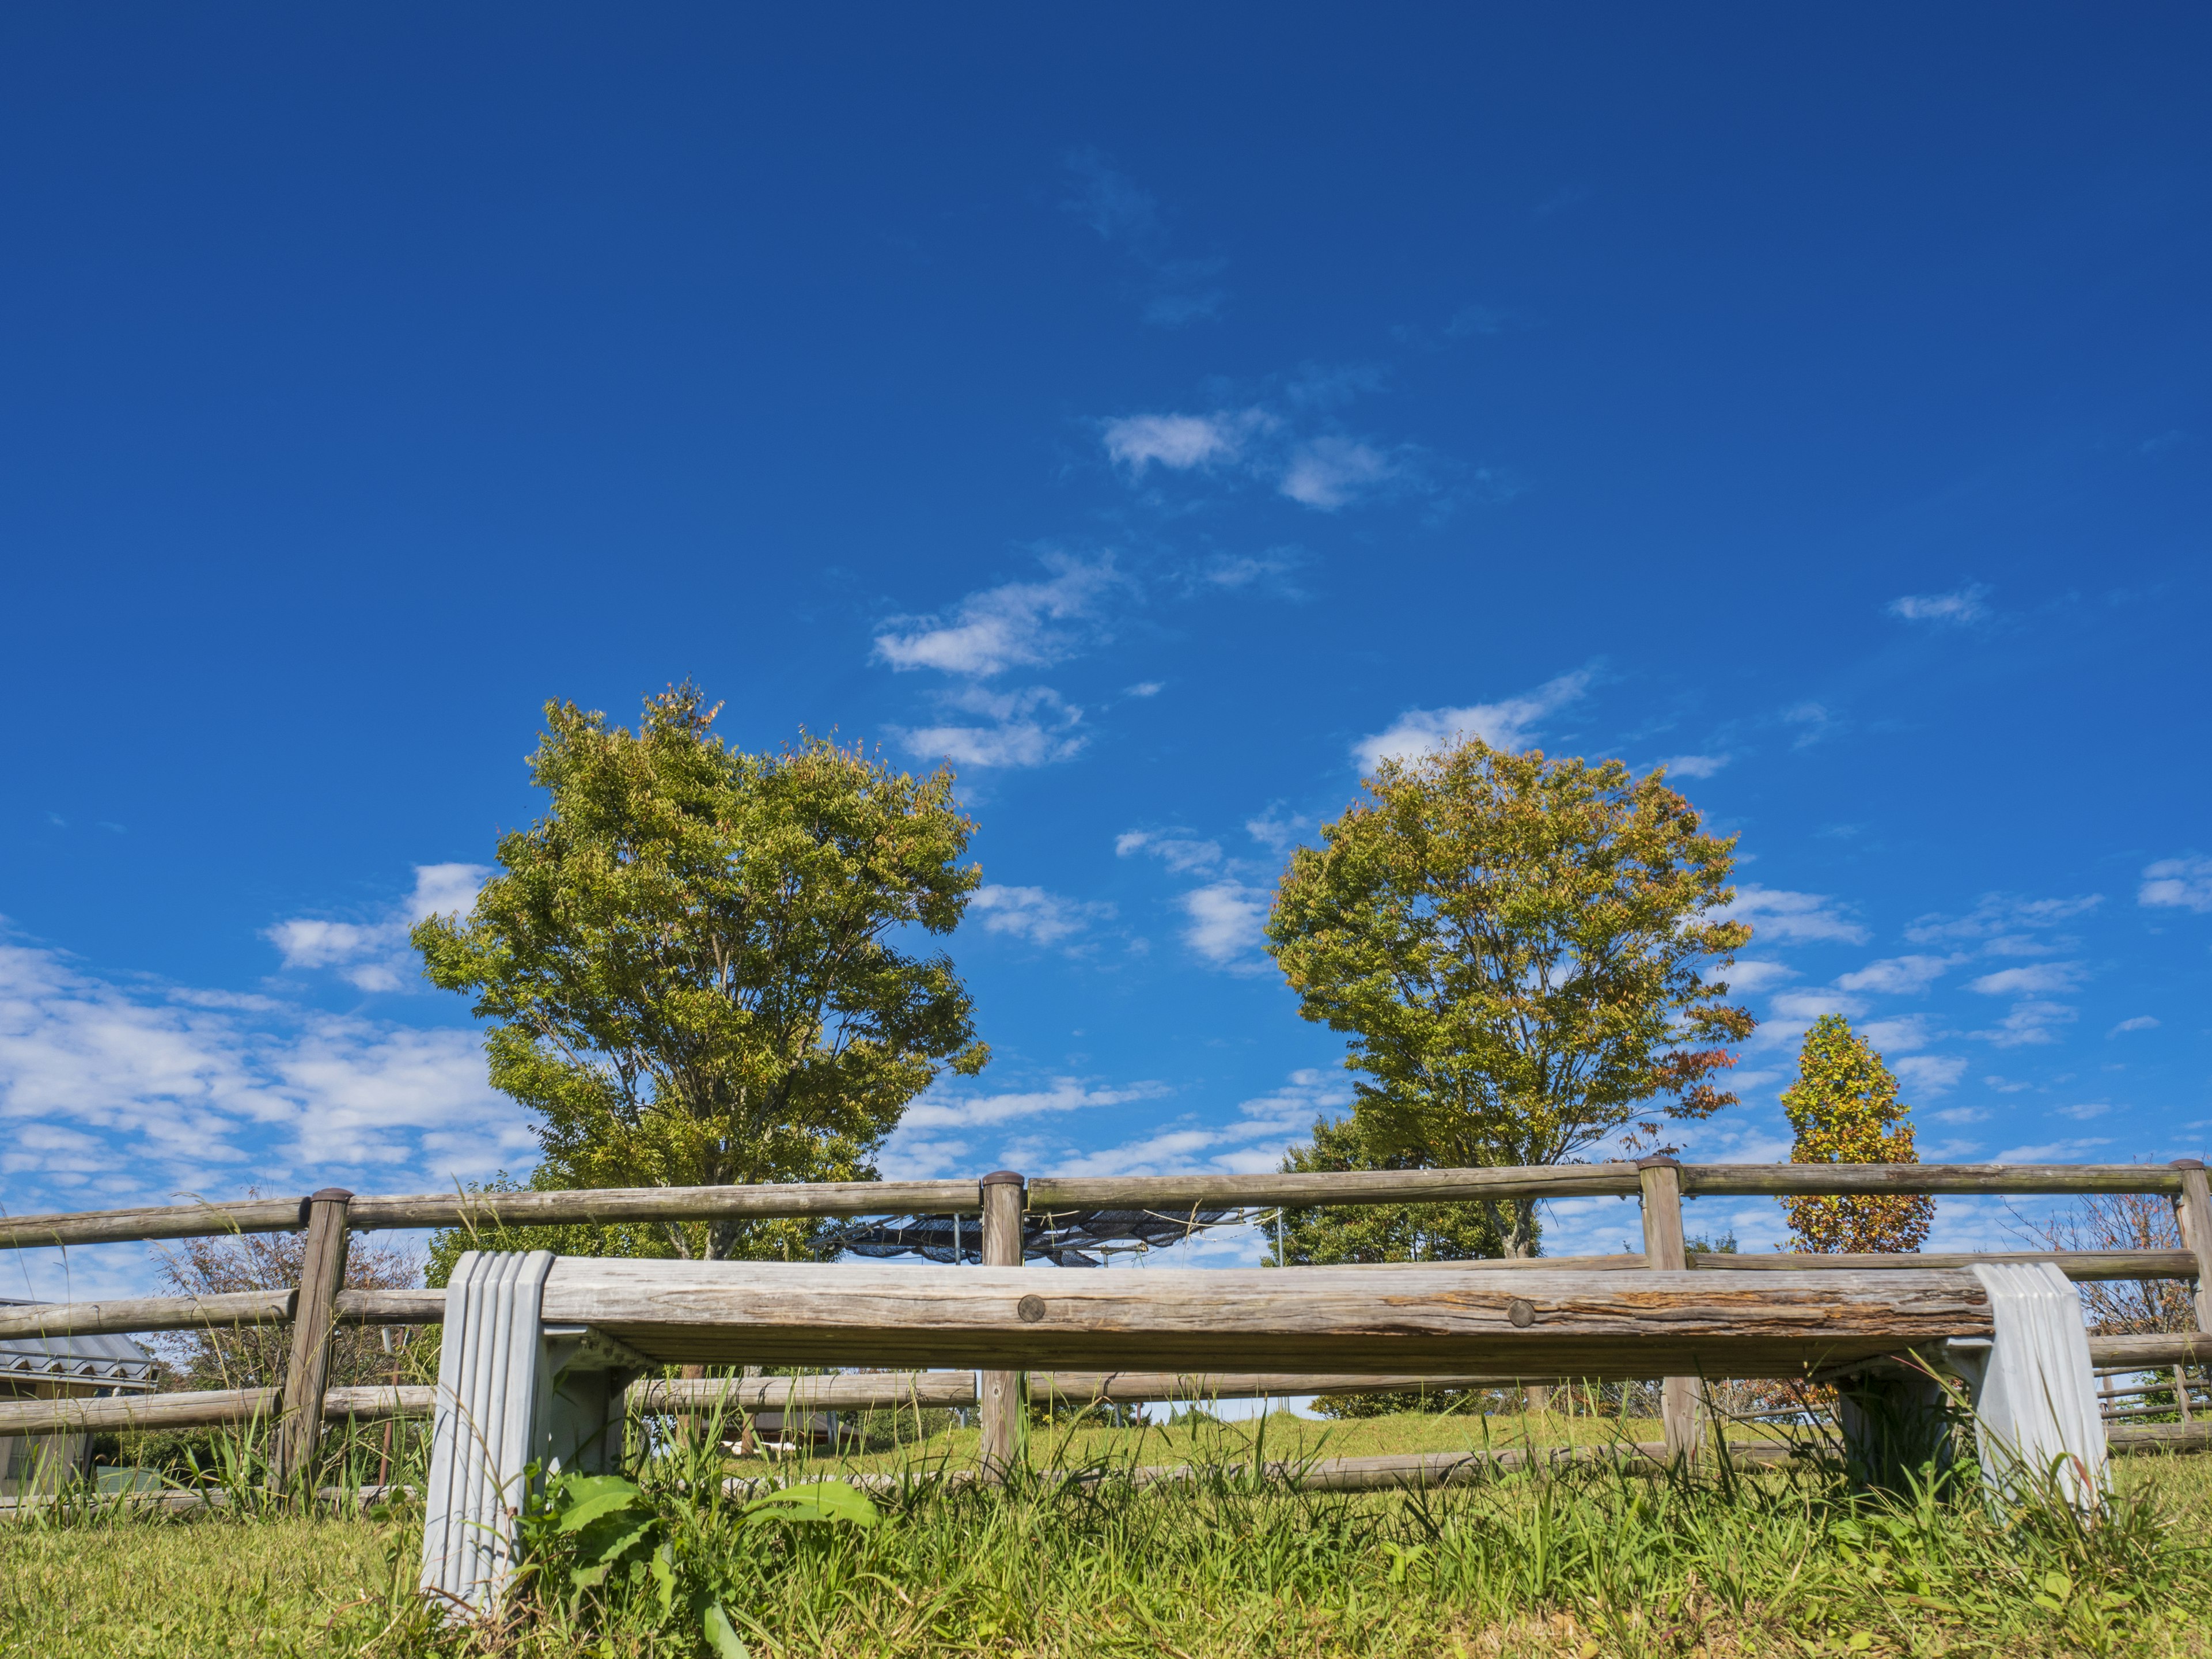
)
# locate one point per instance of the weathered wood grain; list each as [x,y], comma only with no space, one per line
[1801,1180]
[2075,1264]
[2162,1437]
[861,1391]
[1174,1194]
[147,1313]
[322,1275]
[2180,1348]
[492,1210]
[1079,1387]
[1455,1320]
[611,1204]
[392,1306]
[263,1215]
[206,1409]
[378,1399]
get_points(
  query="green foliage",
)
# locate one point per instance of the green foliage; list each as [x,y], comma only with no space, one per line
[1845,1109]
[1516,947]
[692,966]
[1577,1561]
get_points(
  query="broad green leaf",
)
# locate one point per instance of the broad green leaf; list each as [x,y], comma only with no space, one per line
[823,1500]
[597,1495]
[2057,1584]
[721,1637]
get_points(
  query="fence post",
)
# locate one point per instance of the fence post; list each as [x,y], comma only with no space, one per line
[322,1276]
[1664,1250]
[1002,1397]
[2192,1208]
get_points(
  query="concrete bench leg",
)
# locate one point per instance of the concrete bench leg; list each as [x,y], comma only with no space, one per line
[512,1393]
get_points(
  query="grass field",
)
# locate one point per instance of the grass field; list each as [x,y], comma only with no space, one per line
[1583,1562]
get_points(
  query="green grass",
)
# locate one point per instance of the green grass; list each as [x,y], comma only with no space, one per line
[1585,1562]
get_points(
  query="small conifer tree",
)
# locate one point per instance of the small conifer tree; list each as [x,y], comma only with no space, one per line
[1845,1109]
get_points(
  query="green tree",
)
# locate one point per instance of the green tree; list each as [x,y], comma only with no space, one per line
[1845,1109]
[692,966]
[1516,946]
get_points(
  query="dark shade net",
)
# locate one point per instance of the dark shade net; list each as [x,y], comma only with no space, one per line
[1070,1238]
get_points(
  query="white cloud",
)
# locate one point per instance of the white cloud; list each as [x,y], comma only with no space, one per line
[113,1095]
[1033,914]
[1898,1035]
[1750,976]
[1509,724]
[1180,853]
[1033,727]
[1967,604]
[2183,884]
[1786,918]
[1179,442]
[2081,1114]
[1175,290]
[961,1108]
[2054,1152]
[1144,688]
[1254,1142]
[1278,829]
[1329,472]
[1999,915]
[1226,920]
[2042,977]
[2028,1023]
[1929,1076]
[1897,975]
[374,956]
[2139,1023]
[1014,624]
[1811,1005]
[1694,766]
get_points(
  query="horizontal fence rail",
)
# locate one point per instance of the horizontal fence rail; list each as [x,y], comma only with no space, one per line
[1165,1194]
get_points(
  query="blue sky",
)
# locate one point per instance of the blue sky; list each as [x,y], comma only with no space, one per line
[1160,414]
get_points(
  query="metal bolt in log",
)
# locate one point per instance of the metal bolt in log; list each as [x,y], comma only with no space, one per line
[1002,1397]
[322,1276]
[1664,1250]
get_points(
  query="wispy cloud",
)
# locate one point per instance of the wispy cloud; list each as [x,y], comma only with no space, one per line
[1174,290]
[1969,604]
[2000,917]
[1810,1004]
[2042,977]
[1694,766]
[2051,1152]
[1929,1076]
[1251,1143]
[1898,976]
[1180,851]
[2139,1023]
[1512,723]
[1182,442]
[1781,917]
[1033,727]
[1018,624]
[374,956]
[1329,472]
[2182,884]
[1014,625]
[1034,916]
[1226,923]
[2027,1024]
[1750,976]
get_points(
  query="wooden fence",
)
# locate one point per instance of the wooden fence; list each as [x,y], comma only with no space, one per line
[296,1411]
